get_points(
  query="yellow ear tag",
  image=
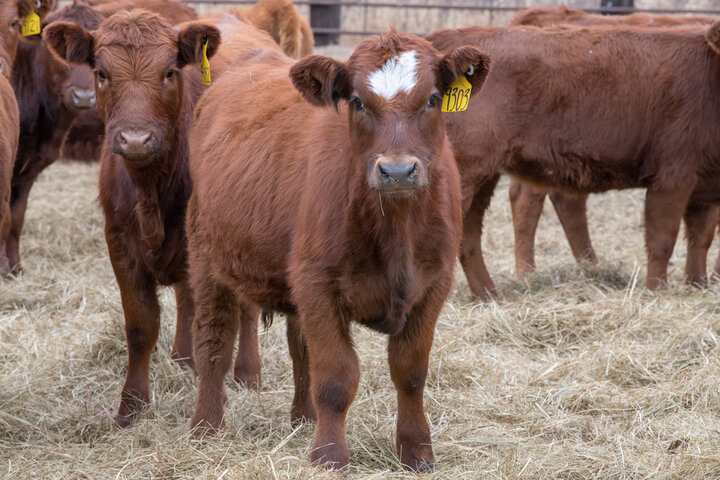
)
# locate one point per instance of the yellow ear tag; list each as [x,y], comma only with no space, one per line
[31,24]
[457,96]
[205,65]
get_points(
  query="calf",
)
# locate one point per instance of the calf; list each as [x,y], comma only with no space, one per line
[336,205]
[50,95]
[147,79]
[527,201]
[650,95]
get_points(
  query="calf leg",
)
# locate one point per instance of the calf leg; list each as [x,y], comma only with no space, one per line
[526,205]
[716,270]
[5,224]
[142,325]
[302,407]
[214,331]
[663,213]
[247,362]
[572,213]
[408,355]
[471,257]
[700,222]
[18,205]
[182,346]
[335,376]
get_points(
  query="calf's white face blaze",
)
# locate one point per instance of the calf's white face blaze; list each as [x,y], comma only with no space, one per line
[399,74]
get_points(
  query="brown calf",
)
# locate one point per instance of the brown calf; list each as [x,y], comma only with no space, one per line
[147,79]
[342,207]
[527,201]
[650,95]
[50,95]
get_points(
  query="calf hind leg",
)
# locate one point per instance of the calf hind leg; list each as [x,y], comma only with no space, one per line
[302,407]
[572,213]
[248,363]
[182,346]
[526,205]
[700,222]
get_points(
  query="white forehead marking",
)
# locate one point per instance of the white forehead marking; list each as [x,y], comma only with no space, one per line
[397,75]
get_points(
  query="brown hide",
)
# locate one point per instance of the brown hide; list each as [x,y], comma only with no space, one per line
[45,90]
[11,15]
[9,131]
[290,210]
[527,201]
[280,19]
[549,16]
[147,79]
[172,10]
[588,110]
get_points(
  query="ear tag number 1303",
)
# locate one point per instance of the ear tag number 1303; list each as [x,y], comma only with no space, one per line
[457,96]
[31,24]
[205,65]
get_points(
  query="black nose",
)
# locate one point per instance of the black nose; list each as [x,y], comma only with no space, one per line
[398,175]
[134,142]
[83,98]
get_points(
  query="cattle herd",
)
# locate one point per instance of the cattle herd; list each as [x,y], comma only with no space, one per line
[337,192]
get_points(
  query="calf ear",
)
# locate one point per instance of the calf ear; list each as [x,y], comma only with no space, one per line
[190,43]
[70,42]
[41,7]
[469,61]
[712,35]
[321,80]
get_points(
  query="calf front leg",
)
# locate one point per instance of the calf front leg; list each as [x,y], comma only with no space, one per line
[663,213]
[18,205]
[302,407]
[335,376]
[408,356]
[572,213]
[248,363]
[700,223]
[471,256]
[142,325]
[214,331]
[526,205]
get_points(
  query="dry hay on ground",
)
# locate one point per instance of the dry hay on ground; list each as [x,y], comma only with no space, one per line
[574,373]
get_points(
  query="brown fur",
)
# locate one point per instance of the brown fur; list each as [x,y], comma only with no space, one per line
[44,89]
[9,132]
[151,83]
[559,82]
[280,19]
[172,10]
[11,15]
[289,212]
[527,200]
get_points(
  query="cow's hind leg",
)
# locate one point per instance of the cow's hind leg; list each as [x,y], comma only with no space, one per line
[471,256]
[214,331]
[182,346]
[18,205]
[572,213]
[302,407]
[700,223]
[248,363]
[526,205]
[663,213]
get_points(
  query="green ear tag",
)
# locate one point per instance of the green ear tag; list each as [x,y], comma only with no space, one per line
[457,96]
[31,24]
[205,65]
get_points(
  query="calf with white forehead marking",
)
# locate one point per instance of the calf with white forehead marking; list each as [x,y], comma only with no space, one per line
[341,208]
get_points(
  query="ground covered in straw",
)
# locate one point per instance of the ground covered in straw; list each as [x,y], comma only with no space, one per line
[578,372]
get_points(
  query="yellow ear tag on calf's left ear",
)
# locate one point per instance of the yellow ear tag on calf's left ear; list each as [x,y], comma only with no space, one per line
[205,66]
[31,24]
[457,96]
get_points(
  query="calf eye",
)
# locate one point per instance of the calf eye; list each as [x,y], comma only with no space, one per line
[434,100]
[102,75]
[170,73]
[359,107]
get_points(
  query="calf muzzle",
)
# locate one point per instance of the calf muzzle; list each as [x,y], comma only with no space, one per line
[134,143]
[83,98]
[401,174]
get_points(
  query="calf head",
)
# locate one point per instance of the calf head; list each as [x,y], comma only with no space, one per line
[73,84]
[11,14]
[393,86]
[138,60]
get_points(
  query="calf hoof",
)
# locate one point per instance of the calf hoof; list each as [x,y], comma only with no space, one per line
[330,456]
[302,412]
[127,412]
[201,427]
[247,377]
[417,455]
[420,464]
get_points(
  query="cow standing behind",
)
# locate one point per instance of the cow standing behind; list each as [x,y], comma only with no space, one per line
[50,95]
[527,200]
[346,210]
[650,94]
[147,82]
